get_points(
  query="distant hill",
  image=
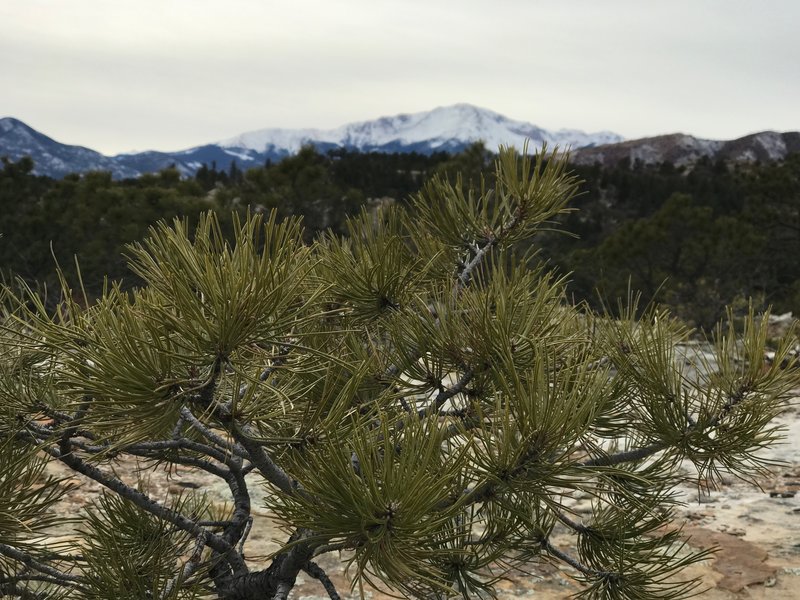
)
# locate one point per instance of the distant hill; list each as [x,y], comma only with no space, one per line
[681,149]
[444,129]
[51,157]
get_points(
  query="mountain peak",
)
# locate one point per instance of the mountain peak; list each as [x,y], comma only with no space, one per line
[11,126]
[445,128]
[8,123]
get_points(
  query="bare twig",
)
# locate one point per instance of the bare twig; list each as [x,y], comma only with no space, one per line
[574,563]
[248,526]
[627,456]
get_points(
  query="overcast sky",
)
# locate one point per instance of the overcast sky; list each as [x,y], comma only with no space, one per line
[121,75]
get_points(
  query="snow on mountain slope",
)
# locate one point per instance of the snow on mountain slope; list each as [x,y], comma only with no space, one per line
[442,128]
[447,129]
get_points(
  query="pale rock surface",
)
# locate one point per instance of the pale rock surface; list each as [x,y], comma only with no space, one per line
[757,532]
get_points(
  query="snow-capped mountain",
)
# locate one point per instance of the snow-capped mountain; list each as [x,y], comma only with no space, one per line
[444,129]
[449,128]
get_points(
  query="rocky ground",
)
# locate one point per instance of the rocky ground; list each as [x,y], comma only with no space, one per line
[756,531]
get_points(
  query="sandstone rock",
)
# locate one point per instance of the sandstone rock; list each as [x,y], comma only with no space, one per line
[741,563]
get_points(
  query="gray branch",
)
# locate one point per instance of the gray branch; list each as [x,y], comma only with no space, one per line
[319,573]
[189,568]
[147,504]
[29,561]
[211,436]
[445,395]
[627,456]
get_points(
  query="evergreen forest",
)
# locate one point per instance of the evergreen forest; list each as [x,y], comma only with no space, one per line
[695,239]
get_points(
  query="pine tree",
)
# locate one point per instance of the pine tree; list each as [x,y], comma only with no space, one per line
[412,395]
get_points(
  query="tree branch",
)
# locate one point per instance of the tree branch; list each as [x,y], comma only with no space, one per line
[212,437]
[254,452]
[189,568]
[30,561]
[572,562]
[445,395]
[154,448]
[9,588]
[492,240]
[319,573]
[147,504]
[627,456]
[282,592]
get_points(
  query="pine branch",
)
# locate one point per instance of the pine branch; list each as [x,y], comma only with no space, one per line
[643,452]
[739,396]
[13,590]
[178,429]
[253,451]
[464,276]
[83,409]
[627,456]
[62,418]
[248,527]
[574,563]
[331,548]
[481,251]
[277,361]
[282,592]
[261,459]
[155,450]
[445,395]
[576,527]
[31,562]
[146,503]
[278,579]
[211,436]
[189,568]
[199,463]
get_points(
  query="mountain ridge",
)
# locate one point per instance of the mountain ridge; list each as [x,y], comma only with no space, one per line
[682,149]
[442,129]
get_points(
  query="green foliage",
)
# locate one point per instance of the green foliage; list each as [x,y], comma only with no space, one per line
[130,554]
[378,490]
[26,494]
[414,395]
[693,238]
[91,217]
[680,255]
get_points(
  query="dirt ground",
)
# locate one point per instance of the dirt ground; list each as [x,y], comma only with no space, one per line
[757,533]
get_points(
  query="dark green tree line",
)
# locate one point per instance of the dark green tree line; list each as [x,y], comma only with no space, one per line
[695,238]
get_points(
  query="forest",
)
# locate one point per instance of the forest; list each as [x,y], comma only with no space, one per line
[695,239]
